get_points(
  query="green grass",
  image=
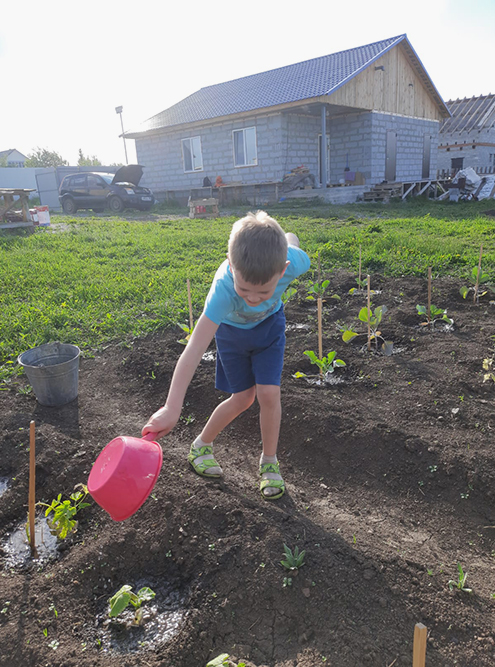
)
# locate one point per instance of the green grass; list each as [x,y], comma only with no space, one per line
[93,280]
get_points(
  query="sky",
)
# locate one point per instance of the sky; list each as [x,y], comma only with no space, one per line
[66,66]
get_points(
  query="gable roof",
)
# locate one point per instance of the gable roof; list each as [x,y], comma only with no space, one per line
[9,152]
[476,113]
[293,83]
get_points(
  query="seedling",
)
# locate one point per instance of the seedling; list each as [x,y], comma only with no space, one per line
[326,364]
[488,368]
[435,315]
[317,289]
[361,282]
[477,278]
[219,661]
[187,330]
[124,596]
[460,584]
[373,319]
[63,522]
[288,294]
[293,559]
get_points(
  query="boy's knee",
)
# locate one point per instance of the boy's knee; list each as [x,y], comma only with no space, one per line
[245,399]
[268,394]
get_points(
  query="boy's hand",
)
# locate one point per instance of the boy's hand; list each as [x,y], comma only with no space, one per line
[162,422]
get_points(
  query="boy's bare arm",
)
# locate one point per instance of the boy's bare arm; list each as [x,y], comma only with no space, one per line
[292,239]
[164,420]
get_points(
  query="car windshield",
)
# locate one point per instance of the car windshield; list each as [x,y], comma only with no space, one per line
[108,178]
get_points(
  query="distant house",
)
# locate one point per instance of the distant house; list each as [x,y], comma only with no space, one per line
[467,138]
[375,104]
[12,158]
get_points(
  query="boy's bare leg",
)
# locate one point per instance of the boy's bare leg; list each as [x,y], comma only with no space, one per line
[226,412]
[203,460]
[270,417]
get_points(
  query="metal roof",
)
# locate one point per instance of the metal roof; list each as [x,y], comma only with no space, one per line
[475,113]
[293,83]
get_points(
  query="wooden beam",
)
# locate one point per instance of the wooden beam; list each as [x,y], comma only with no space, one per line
[424,188]
[411,187]
[419,646]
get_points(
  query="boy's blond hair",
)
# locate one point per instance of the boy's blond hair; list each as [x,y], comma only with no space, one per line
[257,248]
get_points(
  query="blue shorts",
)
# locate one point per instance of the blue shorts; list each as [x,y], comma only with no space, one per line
[246,357]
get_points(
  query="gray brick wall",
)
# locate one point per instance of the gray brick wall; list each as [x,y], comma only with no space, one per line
[286,141]
[461,146]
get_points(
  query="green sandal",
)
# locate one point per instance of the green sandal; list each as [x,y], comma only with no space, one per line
[272,479]
[202,459]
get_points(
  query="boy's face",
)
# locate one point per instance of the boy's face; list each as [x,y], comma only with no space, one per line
[253,295]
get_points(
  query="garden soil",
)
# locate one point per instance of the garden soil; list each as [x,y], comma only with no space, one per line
[390,473]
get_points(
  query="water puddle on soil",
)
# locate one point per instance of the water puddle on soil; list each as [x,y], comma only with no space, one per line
[18,550]
[297,327]
[330,379]
[161,620]
[4,485]
[209,356]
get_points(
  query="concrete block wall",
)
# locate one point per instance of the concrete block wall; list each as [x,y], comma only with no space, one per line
[300,137]
[410,137]
[460,145]
[162,155]
[350,145]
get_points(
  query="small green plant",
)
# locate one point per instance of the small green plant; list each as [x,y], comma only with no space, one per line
[293,559]
[220,661]
[63,522]
[187,330]
[488,368]
[326,364]
[435,315]
[361,285]
[124,596]
[477,278]
[287,581]
[317,289]
[460,584]
[373,318]
[288,294]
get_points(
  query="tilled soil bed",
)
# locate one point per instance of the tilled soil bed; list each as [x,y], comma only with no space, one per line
[390,473]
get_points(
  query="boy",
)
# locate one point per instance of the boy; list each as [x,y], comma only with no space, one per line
[244,312]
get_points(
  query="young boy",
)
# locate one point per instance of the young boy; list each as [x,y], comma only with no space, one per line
[244,312]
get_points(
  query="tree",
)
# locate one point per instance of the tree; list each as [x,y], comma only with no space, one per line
[86,161]
[42,157]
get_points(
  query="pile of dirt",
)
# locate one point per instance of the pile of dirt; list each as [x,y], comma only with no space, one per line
[390,474]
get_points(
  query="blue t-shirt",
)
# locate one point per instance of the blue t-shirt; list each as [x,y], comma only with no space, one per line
[224,305]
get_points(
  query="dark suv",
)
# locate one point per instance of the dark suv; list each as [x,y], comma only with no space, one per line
[98,190]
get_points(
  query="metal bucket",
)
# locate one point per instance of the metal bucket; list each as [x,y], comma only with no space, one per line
[53,372]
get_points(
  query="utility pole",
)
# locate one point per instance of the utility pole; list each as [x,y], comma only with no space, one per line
[119,111]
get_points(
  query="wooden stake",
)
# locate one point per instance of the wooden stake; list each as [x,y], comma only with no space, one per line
[369,313]
[476,287]
[191,323]
[32,487]
[359,281]
[419,646]
[320,335]
[319,268]
[429,295]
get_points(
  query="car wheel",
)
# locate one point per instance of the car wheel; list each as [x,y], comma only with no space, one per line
[69,206]
[116,204]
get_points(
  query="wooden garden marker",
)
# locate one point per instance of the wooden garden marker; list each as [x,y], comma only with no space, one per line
[32,487]
[419,645]
[191,324]
[429,295]
[476,287]
[320,305]
[369,313]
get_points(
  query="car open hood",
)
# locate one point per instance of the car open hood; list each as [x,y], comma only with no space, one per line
[131,173]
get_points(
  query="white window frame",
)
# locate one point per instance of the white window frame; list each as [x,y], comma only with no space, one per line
[244,130]
[197,165]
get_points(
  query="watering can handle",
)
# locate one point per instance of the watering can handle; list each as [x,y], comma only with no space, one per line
[150,436]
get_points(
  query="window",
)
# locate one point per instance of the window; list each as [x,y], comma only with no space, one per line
[457,163]
[191,154]
[245,153]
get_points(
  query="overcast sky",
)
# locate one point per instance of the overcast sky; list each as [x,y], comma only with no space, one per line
[65,66]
